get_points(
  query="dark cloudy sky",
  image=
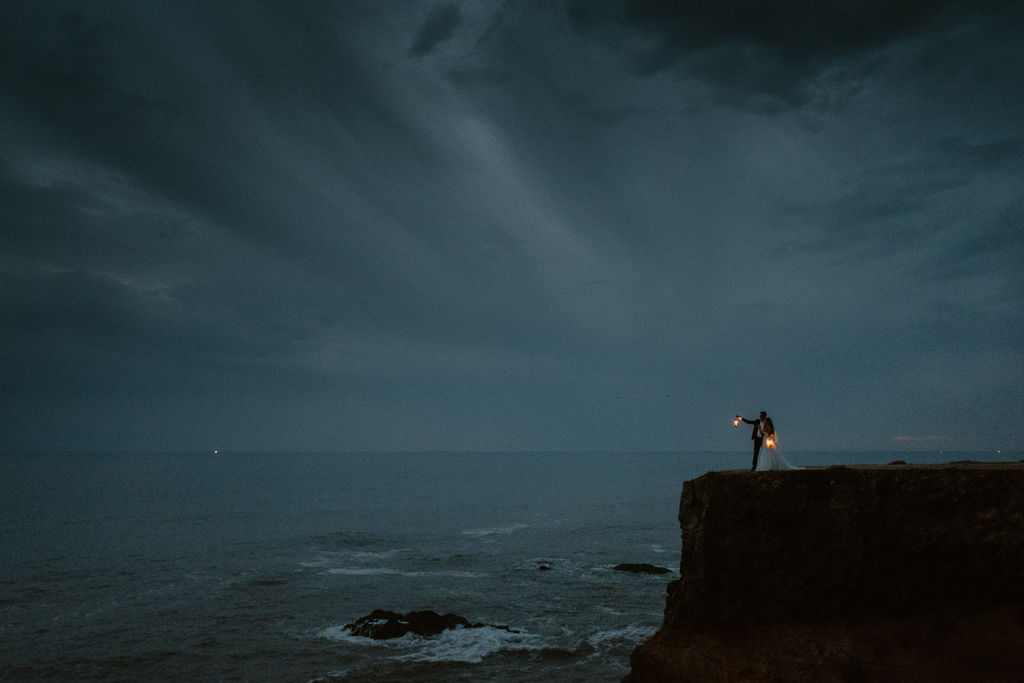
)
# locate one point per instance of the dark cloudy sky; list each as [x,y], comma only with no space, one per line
[520,225]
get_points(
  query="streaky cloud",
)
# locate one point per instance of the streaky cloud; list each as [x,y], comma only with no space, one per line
[439,26]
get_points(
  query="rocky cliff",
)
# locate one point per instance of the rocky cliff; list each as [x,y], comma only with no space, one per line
[897,573]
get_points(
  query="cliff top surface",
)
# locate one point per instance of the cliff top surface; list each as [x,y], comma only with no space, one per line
[959,464]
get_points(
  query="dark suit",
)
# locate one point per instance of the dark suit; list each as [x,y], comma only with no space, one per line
[757,438]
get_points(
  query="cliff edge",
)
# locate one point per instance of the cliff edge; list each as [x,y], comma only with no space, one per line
[894,573]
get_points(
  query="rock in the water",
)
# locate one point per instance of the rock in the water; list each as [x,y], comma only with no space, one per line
[383,624]
[642,568]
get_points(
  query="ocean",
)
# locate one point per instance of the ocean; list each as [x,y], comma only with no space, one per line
[247,566]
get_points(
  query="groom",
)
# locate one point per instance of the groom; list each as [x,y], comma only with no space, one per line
[762,427]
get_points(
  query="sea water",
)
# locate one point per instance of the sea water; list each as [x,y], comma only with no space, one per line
[248,566]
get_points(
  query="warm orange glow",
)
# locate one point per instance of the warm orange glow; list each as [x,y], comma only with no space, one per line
[736,422]
[769,442]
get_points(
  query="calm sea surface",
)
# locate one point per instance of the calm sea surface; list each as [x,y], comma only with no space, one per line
[247,566]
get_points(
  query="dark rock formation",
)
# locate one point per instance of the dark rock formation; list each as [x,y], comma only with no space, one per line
[897,573]
[382,624]
[641,568]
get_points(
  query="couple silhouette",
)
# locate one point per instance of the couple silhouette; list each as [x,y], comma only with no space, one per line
[764,434]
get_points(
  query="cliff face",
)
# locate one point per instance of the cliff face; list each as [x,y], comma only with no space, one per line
[901,573]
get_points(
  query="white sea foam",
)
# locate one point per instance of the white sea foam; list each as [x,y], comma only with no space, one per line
[379,554]
[389,571]
[326,558]
[465,645]
[495,530]
[609,610]
[633,633]
[343,635]
[370,571]
[471,645]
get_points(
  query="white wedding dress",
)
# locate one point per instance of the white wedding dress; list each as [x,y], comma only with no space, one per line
[771,459]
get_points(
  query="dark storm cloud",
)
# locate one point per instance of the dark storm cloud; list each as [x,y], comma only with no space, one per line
[909,201]
[756,50]
[438,27]
[475,225]
[93,87]
[254,225]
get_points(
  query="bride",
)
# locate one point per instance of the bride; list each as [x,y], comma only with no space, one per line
[771,458]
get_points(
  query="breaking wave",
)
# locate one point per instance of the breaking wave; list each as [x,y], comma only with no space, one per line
[388,571]
[462,645]
[504,530]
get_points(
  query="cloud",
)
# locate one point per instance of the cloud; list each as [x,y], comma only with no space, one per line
[943,186]
[438,27]
[767,55]
[267,221]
